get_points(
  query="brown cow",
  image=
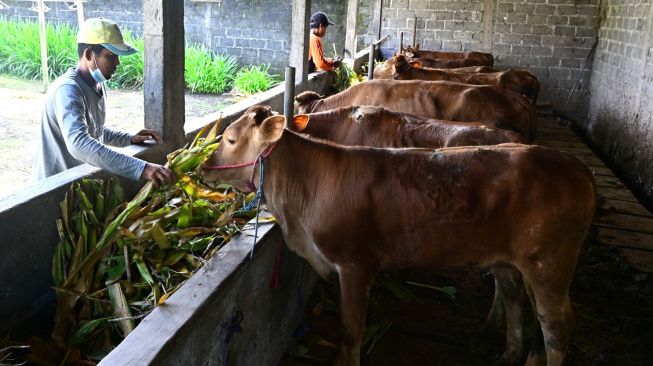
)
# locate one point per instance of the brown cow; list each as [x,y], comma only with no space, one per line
[434,99]
[380,127]
[483,57]
[357,211]
[384,70]
[519,81]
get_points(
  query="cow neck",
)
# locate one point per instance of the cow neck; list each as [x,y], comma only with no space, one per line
[293,170]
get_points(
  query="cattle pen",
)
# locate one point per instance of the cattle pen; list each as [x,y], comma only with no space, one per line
[258,300]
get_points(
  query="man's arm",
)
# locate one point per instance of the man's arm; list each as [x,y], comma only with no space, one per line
[69,111]
[317,52]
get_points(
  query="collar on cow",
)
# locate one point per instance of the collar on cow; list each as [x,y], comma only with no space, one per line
[404,68]
[264,154]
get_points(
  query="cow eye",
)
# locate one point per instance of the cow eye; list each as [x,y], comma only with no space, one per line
[231,141]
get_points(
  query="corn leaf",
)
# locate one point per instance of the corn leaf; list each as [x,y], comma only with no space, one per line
[86,329]
[121,308]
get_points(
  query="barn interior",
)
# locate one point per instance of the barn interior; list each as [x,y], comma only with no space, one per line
[594,62]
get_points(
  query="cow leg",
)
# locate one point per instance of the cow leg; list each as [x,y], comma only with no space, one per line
[494,318]
[537,354]
[508,296]
[554,315]
[355,285]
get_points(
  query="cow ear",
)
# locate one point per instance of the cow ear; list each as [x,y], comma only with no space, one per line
[300,122]
[415,64]
[272,128]
[307,96]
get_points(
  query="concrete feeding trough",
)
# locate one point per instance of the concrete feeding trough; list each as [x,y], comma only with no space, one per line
[230,309]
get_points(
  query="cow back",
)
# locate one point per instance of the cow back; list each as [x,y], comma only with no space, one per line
[439,100]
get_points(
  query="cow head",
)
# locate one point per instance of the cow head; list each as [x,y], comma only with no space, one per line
[304,101]
[400,67]
[383,70]
[242,143]
[411,52]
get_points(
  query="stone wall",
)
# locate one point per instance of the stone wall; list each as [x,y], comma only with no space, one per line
[620,119]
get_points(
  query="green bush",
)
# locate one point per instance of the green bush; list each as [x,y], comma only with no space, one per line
[20,50]
[206,71]
[254,79]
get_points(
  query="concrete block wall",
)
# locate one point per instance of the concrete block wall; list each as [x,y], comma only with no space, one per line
[255,32]
[551,38]
[620,118]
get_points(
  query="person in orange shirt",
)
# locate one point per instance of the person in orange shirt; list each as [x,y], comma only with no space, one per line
[316,59]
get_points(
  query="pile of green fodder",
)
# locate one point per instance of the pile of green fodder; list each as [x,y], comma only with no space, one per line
[116,261]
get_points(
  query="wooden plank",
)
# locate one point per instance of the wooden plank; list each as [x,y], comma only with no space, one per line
[591,161]
[622,221]
[555,143]
[624,207]
[623,238]
[640,259]
[616,194]
[612,182]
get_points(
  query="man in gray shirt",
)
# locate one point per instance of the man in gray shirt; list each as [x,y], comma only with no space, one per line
[72,122]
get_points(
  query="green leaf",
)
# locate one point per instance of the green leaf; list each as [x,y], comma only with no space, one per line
[145,273]
[82,334]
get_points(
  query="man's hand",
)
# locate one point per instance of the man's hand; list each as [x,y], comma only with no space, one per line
[337,61]
[158,174]
[144,135]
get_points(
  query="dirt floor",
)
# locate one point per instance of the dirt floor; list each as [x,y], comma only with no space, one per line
[612,302]
[22,102]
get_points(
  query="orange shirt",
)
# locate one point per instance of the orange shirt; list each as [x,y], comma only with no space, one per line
[317,55]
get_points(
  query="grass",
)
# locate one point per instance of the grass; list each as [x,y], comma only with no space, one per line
[205,71]
[20,50]
[254,79]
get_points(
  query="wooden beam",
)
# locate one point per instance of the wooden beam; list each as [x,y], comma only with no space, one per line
[377,19]
[299,40]
[350,33]
[163,79]
[80,11]
[488,25]
[44,47]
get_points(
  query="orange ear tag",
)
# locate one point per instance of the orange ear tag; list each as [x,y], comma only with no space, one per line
[300,121]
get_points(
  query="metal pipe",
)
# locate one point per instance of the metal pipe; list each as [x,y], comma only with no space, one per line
[401,42]
[370,64]
[289,95]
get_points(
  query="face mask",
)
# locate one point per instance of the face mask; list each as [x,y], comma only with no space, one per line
[97,74]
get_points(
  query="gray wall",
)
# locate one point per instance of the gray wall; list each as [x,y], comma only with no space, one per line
[551,38]
[255,32]
[620,119]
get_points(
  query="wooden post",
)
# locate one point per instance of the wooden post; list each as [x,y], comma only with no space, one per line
[289,95]
[378,18]
[350,33]
[414,31]
[44,46]
[401,42]
[370,63]
[80,12]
